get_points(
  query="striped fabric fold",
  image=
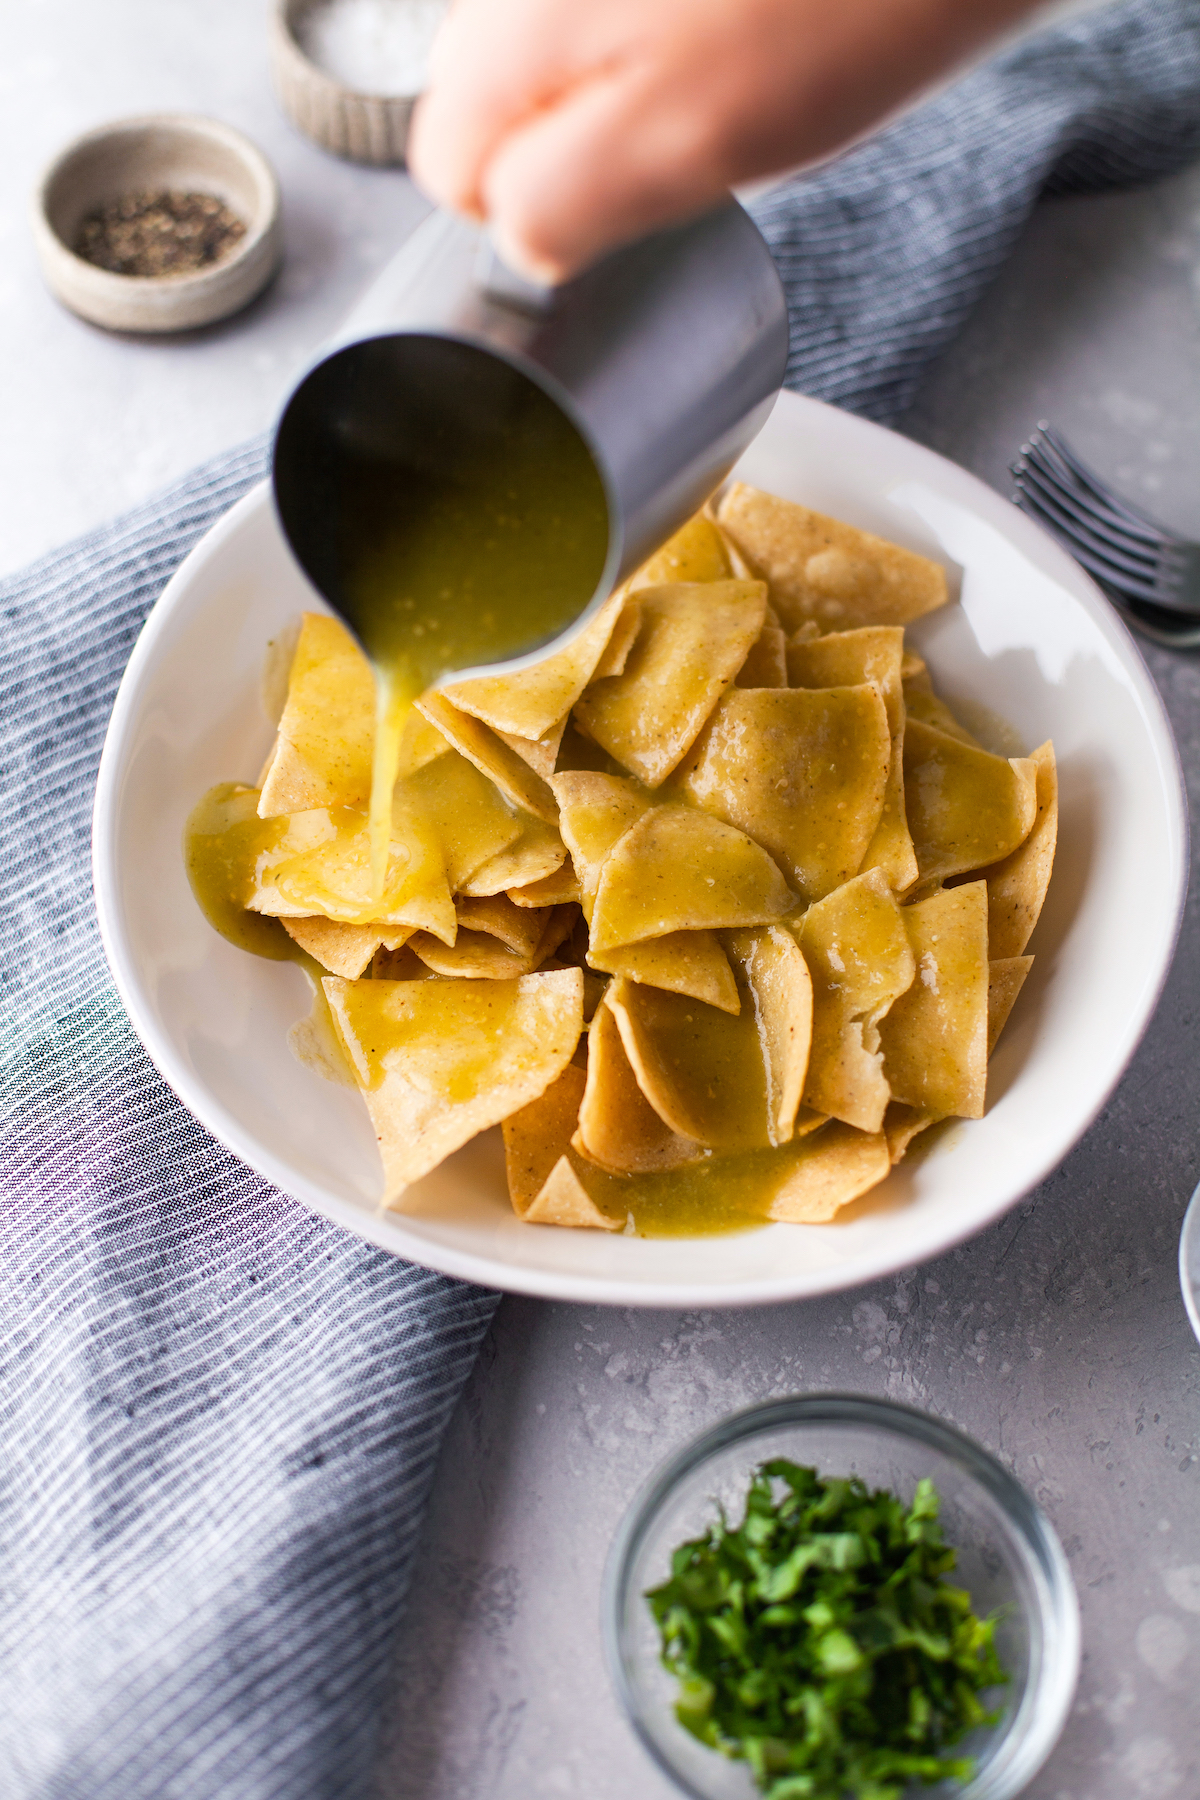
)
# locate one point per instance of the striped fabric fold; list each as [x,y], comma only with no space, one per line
[219,1415]
[885,251]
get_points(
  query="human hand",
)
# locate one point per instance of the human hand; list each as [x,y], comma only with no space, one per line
[574,125]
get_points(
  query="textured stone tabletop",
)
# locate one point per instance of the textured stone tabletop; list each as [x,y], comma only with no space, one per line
[1057,1338]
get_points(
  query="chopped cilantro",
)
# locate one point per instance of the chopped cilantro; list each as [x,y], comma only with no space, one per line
[819,1641]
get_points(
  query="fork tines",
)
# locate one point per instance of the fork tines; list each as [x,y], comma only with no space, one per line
[1117,543]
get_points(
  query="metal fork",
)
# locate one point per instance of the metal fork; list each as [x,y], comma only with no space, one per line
[1151,575]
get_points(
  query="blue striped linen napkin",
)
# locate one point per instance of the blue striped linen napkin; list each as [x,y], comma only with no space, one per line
[218,1414]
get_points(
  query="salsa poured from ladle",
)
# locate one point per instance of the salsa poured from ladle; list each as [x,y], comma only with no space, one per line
[447,508]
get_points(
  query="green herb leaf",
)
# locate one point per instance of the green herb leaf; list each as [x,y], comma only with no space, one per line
[818,1642]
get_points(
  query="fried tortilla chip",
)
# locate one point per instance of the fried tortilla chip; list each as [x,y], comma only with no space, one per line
[530,704]
[467,814]
[766,660]
[595,811]
[474,956]
[618,1128]
[825,1171]
[519,928]
[924,705]
[776,978]
[535,855]
[565,1201]
[293,834]
[1006,978]
[334,877]
[624,636]
[342,949]
[824,570]
[858,954]
[326,741]
[492,757]
[693,640]
[540,753]
[843,659]
[966,808]
[703,1071]
[697,552]
[439,1061]
[1017,886]
[680,870]
[683,962]
[903,1124]
[535,1136]
[803,771]
[935,1036]
[557,889]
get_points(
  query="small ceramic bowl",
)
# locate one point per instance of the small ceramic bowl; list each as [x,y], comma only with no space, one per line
[365,128]
[1009,1560]
[159,151]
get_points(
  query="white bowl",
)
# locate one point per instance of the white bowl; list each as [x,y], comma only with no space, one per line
[1031,638]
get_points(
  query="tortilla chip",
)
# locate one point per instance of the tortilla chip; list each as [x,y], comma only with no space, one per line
[803,771]
[935,1035]
[334,877]
[776,978]
[594,812]
[474,956]
[931,711]
[277,669]
[530,704]
[440,1061]
[326,741]
[618,1128]
[540,753]
[1017,886]
[693,640]
[296,833]
[1006,978]
[537,852]
[842,659]
[519,928]
[903,1124]
[480,745]
[966,808]
[825,1172]
[565,1201]
[697,552]
[342,949]
[821,569]
[702,1071]
[624,636]
[679,870]
[535,1136]
[557,889]
[467,814]
[858,954]
[683,962]
[766,661]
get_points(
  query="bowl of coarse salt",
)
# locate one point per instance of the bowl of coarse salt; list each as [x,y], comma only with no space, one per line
[348,72]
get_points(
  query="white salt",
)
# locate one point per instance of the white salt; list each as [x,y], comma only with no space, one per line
[373,46]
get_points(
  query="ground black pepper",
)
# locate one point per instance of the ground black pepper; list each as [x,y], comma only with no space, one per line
[164,233]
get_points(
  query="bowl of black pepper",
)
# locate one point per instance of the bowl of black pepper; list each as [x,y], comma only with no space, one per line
[158,224]
[832,1597]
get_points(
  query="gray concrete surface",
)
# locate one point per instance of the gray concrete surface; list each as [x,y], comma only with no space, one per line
[1057,1338]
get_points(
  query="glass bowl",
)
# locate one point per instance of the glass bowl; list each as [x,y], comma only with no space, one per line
[1009,1560]
[1189,1261]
